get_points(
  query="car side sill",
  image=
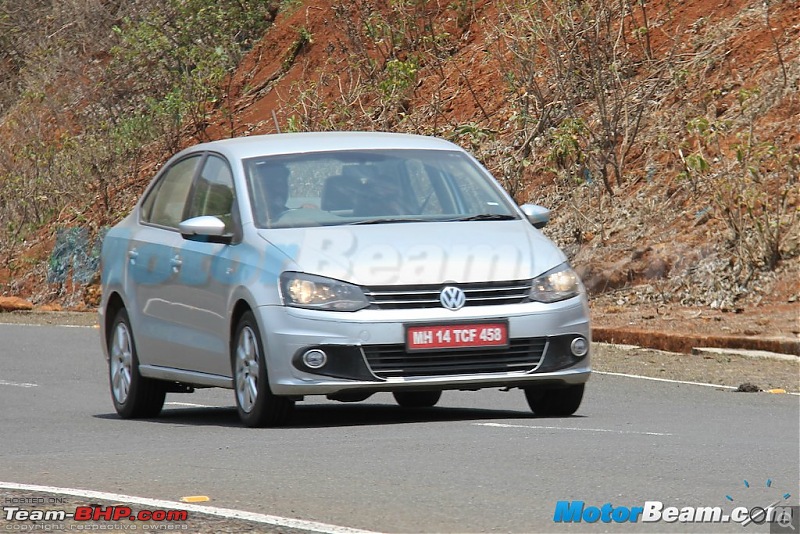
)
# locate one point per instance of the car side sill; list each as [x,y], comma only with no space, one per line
[186,377]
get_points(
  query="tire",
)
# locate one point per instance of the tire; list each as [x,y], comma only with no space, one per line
[417,399]
[560,402]
[255,402]
[134,396]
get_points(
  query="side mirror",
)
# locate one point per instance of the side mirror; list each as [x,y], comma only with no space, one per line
[205,228]
[538,216]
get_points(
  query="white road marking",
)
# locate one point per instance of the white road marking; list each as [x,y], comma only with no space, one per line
[175,505]
[663,380]
[608,430]
[190,405]
[672,381]
[17,384]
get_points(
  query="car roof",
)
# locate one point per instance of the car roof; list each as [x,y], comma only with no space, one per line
[293,143]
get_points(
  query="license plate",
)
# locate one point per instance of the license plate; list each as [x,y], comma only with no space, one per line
[457,336]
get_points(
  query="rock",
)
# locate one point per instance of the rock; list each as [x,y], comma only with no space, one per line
[92,295]
[747,387]
[656,269]
[9,304]
[639,253]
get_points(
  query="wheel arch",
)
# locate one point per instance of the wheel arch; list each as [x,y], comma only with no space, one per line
[113,305]
[239,309]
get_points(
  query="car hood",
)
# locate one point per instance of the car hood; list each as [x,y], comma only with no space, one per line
[418,253]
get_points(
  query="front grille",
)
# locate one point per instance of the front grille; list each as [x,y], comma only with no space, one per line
[427,296]
[392,361]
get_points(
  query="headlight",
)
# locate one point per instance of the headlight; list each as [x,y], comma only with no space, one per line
[556,284]
[302,290]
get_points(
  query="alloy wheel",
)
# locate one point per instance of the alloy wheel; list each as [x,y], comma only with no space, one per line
[247,369]
[121,363]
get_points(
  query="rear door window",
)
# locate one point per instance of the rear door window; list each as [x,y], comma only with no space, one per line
[166,202]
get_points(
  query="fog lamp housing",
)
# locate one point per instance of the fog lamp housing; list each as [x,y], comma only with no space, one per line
[315,358]
[579,347]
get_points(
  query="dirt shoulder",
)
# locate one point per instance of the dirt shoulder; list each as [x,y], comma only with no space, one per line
[725,369]
[751,374]
[667,342]
[62,318]
[774,328]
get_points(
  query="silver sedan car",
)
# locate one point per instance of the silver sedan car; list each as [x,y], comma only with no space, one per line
[337,264]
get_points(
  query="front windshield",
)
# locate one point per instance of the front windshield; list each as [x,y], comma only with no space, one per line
[371,187]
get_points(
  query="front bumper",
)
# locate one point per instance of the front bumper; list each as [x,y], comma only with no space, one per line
[366,352]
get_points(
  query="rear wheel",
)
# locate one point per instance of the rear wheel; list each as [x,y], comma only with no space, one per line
[134,396]
[417,399]
[555,402]
[255,402]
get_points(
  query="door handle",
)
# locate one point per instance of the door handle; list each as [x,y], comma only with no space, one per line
[176,263]
[132,255]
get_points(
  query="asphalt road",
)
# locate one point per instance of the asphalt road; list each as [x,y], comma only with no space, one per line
[478,462]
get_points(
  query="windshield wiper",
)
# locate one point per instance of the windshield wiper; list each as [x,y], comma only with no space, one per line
[485,217]
[379,220]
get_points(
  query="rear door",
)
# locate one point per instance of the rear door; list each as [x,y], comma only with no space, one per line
[153,265]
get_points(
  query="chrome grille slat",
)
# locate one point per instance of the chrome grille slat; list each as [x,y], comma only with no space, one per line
[420,364]
[490,289]
[477,294]
[392,361]
[431,301]
[432,293]
[499,297]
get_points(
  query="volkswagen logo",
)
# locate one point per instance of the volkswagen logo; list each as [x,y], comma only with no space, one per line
[452,298]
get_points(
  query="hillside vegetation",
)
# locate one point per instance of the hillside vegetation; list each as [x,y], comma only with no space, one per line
[664,135]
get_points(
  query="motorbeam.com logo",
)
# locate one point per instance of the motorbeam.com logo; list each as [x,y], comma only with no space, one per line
[655,511]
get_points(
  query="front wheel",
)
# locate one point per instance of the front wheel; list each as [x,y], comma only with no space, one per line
[255,402]
[134,396]
[555,402]
[417,399]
